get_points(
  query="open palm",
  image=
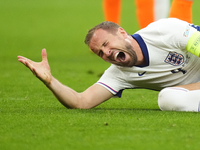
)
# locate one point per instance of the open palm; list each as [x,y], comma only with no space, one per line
[40,69]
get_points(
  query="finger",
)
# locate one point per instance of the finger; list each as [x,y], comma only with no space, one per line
[44,55]
[26,62]
[20,57]
[23,59]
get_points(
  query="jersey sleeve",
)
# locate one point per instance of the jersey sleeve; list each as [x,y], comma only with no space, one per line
[175,33]
[114,80]
[184,36]
[193,44]
[170,33]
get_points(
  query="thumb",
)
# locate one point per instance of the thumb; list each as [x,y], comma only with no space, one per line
[44,55]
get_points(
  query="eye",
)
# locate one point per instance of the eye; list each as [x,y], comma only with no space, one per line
[105,43]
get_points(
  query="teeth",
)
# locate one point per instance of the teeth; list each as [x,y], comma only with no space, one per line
[121,59]
[116,55]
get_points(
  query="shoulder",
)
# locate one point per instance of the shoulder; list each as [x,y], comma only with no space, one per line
[168,21]
[114,71]
[167,24]
[117,74]
[170,25]
[166,28]
[163,26]
[118,70]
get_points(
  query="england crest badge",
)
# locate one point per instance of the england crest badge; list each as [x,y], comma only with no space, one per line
[174,59]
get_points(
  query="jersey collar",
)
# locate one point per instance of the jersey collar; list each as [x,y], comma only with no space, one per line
[144,49]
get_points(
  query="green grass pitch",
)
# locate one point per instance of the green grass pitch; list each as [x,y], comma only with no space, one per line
[30,116]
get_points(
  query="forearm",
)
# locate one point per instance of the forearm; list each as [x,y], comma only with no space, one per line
[67,96]
[91,97]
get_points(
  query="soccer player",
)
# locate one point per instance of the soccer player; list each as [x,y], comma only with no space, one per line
[163,56]
[181,9]
[154,9]
[148,11]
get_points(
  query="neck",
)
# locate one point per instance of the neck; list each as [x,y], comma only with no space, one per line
[138,50]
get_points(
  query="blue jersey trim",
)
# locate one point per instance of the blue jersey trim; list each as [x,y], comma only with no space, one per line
[108,87]
[119,94]
[195,26]
[144,49]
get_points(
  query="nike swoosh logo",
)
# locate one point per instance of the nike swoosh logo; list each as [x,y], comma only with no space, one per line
[141,74]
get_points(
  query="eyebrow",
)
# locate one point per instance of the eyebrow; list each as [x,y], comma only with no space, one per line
[99,50]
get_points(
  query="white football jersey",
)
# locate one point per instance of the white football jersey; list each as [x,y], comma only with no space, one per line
[168,63]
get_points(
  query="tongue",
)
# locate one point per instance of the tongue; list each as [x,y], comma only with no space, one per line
[121,56]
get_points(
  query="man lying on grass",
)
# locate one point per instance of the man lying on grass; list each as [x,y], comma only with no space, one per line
[163,56]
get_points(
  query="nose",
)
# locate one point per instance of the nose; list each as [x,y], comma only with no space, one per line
[106,51]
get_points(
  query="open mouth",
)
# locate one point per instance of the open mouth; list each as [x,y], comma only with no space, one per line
[120,56]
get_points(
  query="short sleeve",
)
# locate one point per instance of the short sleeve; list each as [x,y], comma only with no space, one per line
[175,33]
[114,80]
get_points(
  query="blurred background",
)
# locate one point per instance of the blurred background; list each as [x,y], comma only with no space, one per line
[60,26]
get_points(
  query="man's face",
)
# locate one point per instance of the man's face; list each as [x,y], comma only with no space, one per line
[113,48]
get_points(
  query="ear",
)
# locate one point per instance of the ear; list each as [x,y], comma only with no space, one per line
[122,32]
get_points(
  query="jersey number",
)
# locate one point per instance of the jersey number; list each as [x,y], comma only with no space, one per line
[179,70]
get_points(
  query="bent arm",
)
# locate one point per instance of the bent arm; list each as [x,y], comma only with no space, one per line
[91,97]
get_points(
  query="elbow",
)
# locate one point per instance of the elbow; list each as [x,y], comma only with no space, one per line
[83,103]
[80,105]
[79,102]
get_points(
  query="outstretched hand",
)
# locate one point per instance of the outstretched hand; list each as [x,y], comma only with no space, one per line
[40,69]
